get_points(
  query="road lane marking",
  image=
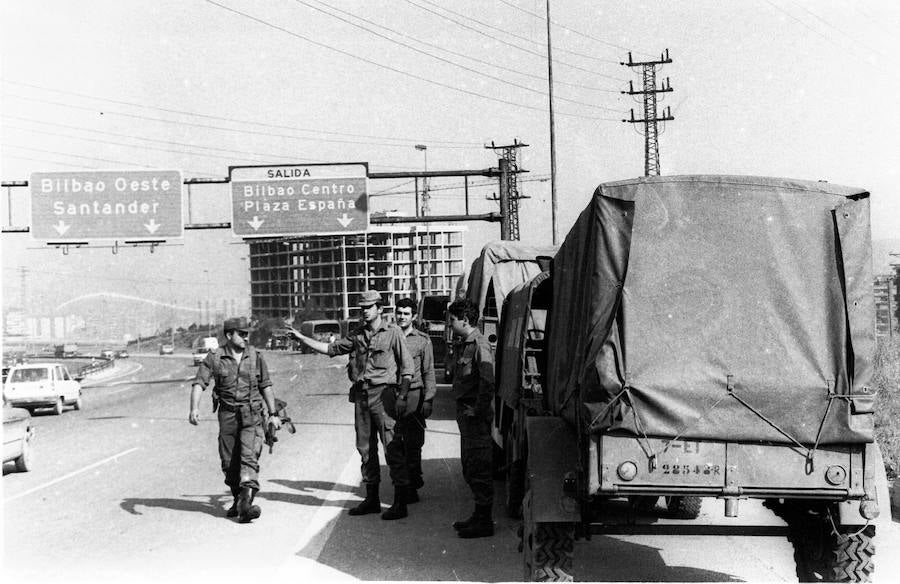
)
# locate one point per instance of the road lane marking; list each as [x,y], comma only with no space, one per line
[321,525]
[71,474]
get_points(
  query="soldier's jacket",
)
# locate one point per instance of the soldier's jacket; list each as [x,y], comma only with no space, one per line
[379,357]
[422,387]
[473,371]
[236,383]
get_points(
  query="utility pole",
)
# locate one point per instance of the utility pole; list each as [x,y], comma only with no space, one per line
[651,134]
[509,189]
[552,134]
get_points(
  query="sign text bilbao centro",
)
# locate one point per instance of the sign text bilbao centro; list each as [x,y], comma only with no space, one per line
[310,199]
[126,204]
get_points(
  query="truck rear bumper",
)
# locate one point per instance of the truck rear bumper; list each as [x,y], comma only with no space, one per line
[624,465]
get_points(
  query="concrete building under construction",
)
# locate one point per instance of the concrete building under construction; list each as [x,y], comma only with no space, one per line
[326,273]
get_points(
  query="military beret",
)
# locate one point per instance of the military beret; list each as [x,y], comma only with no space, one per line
[368,298]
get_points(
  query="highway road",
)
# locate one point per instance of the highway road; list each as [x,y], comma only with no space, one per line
[127,490]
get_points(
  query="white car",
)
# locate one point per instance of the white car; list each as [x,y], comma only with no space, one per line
[202,346]
[18,432]
[42,385]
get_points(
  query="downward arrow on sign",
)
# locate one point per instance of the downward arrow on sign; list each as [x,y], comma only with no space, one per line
[344,220]
[61,227]
[256,223]
[152,226]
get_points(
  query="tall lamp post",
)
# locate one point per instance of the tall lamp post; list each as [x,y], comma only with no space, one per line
[425,195]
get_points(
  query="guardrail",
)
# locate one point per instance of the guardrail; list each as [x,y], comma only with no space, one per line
[99,365]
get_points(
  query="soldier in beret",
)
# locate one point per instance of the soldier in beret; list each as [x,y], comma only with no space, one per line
[243,392]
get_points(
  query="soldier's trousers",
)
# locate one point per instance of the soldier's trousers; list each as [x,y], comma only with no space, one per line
[413,428]
[241,438]
[476,452]
[372,423]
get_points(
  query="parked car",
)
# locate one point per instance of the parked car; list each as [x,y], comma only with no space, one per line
[18,432]
[166,349]
[42,385]
[108,354]
[202,346]
[122,354]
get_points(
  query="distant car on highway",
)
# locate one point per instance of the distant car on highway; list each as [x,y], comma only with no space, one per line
[108,354]
[18,432]
[122,354]
[166,349]
[42,385]
[202,346]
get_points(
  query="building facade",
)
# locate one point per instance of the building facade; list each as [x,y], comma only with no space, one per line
[325,273]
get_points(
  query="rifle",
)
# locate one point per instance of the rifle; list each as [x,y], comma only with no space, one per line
[286,422]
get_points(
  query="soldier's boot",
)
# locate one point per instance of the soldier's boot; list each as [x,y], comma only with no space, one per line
[398,509]
[411,496]
[247,511]
[482,526]
[462,523]
[372,502]
[233,510]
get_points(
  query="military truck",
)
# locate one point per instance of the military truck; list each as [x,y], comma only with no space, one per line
[699,336]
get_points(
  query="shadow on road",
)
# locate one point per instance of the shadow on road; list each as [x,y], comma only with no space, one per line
[306,493]
[214,506]
[424,545]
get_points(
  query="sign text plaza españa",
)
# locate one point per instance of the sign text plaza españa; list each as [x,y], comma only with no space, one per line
[299,199]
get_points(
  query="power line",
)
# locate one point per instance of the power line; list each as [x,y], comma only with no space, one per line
[394,69]
[828,24]
[523,38]
[240,121]
[507,43]
[8,145]
[448,61]
[578,32]
[465,56]
[83,129]
[180,123]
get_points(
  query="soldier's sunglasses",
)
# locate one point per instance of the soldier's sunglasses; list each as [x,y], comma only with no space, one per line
[243,334]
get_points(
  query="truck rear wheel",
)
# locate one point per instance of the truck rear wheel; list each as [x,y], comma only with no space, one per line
[684,507]
[547,548]
[828,552]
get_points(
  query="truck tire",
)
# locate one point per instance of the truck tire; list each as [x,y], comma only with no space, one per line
[547,548]
[684,507]
[827,552]
[59,406]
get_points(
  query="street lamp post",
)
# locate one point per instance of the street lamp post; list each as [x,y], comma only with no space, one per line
[425,206]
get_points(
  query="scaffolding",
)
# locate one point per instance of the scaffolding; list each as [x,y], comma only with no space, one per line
[326,274]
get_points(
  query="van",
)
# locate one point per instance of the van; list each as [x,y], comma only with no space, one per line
[202,346]
[320,330]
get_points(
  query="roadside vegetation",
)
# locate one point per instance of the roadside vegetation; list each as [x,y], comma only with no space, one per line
[886,382]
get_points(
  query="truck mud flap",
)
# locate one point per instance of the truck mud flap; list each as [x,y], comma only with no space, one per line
[552,460]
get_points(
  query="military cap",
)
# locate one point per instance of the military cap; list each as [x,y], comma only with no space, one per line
[238,323]
[368,298]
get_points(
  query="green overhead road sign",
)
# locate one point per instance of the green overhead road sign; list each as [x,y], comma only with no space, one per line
[127,204]
[308,199]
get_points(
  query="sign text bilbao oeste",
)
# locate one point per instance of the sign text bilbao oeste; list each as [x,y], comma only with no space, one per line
[121,185]
[259,197]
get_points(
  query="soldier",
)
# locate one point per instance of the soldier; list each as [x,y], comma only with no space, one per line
[242,390]
[381,370]
[473,389]
[422,390]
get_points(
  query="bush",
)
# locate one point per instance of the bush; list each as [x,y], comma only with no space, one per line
[886,381]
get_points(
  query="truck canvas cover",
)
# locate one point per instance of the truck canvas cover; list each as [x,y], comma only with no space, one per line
[716,307]
[505,264]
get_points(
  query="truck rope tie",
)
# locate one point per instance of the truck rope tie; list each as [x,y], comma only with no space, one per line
[842,537]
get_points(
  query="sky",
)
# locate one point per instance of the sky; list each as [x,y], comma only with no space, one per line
[788,88]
